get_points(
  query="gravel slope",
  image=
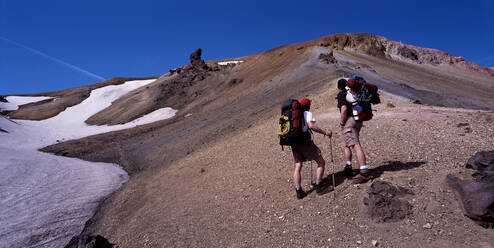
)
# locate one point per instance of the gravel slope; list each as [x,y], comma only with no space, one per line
[238,192]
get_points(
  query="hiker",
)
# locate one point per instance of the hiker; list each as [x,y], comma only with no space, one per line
[307,151]
[350,129]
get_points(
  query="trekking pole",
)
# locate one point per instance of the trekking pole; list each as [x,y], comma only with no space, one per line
[311,176]
[332,162]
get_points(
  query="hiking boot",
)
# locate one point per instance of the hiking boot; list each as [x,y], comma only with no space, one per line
[300,193]
[321,189]
[363,177]
[348,171]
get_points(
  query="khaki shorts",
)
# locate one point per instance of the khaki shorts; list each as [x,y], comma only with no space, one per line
[351,131]
[306,151]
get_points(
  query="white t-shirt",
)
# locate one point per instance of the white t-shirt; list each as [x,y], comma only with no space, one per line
[307,117]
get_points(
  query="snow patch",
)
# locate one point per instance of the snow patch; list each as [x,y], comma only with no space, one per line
[7,124]
[159,114]
[15,101]
[47,199]
[230,62]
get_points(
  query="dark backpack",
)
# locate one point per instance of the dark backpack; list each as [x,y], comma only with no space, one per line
[290,124]
[361,95]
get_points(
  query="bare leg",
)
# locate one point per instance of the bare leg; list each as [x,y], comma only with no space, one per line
[297,179]
[348,152]
[320,167]
[364,173]
[360,155]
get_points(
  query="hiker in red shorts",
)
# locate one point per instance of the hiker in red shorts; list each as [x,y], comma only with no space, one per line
[308,151]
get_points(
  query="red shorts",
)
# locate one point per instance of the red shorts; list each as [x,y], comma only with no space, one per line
[306,151]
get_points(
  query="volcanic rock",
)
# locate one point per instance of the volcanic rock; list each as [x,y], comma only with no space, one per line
[328,58]
[383,203]
[408,53]
[430,58]
[477,196]
[89,241]
[482,161]
[196,61]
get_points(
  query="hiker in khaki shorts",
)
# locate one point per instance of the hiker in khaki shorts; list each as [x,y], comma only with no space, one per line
[351,129]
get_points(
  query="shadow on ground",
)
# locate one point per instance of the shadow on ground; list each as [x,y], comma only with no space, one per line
[394,166]
[376,172]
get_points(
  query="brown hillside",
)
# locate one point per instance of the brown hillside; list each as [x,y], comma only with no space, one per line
[214,175]
[238,191]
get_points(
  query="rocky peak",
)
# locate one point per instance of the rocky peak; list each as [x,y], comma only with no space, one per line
[196,61]
[379,46]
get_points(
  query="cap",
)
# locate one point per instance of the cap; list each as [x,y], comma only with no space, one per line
[305,102]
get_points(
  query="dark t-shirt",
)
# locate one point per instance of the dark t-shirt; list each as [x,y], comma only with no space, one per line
[342,101]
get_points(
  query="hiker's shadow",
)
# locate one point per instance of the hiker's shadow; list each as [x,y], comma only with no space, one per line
[394,166]
[339,177]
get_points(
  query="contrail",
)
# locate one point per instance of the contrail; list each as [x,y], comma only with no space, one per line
[73,67]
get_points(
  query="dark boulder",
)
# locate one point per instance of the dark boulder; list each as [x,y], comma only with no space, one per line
[476,195]
[328,58]
[476,198]
[384,203]
[89,241]
[482,162]
[2,99]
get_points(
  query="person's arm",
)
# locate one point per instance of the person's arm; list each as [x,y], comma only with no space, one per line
[313,127]
[343,115]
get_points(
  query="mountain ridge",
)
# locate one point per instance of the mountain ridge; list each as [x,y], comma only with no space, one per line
[236,106]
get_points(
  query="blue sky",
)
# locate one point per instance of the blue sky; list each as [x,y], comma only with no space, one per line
[49,45]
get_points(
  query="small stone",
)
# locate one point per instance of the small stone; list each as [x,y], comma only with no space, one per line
[318,213]
[427,226]
[329,240]
[374,242]
[301,207]
[359,242]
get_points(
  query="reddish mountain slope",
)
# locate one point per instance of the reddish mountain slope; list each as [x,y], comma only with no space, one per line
[214,175]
